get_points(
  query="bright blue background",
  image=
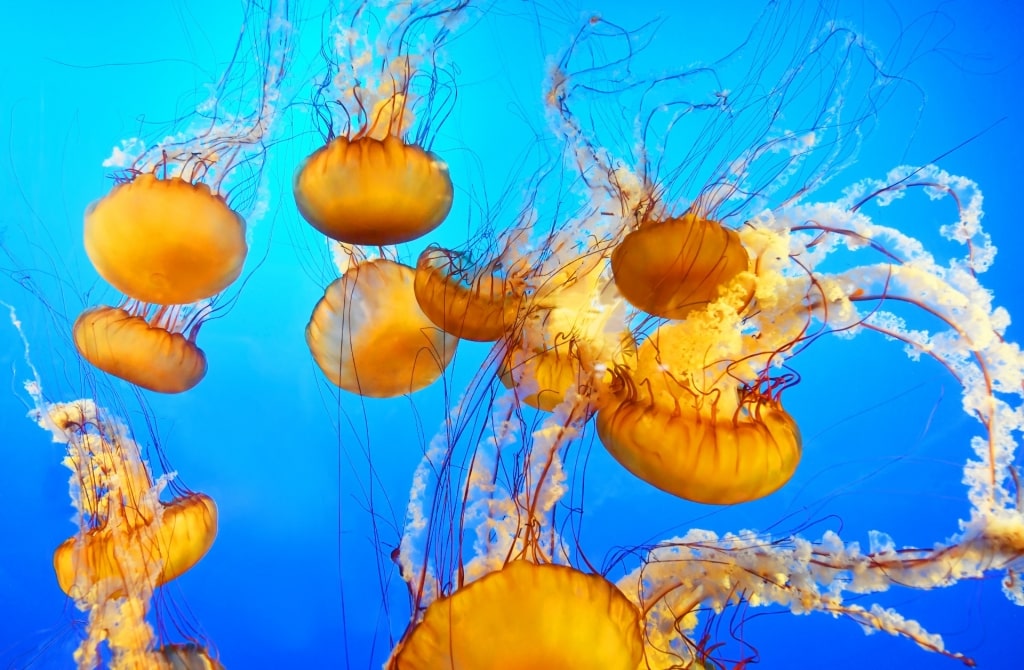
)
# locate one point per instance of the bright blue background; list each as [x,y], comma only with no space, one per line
[885,439]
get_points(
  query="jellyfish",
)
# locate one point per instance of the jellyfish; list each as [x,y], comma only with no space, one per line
[129,541]
[471,305]
[673,267]
[165,241]
[168,234]
[796,269]
[728,444]
[147,353]
[188,657]
[537,615]
[375,181]
[369,336]
[373,189]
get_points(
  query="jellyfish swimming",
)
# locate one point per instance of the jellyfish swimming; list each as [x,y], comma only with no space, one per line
[373,190]
[166,236]
[129,542]
[736,377]
[369,336]
[375,184]
[671,268]
[165,241]
[537,615]
[695,409]
[469,305]
[709,448]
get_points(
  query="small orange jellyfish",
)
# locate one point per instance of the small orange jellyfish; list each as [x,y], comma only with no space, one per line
[369,335]
[128,542]
[185,531]
[146,353]
[671,267]
[476,306]
[188,657]
[722,445]
[527,615]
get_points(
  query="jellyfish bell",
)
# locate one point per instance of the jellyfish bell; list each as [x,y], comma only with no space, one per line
[478,306]
[377,183]
[165,241]
[527,615]
[701,456]
[369,336]
[182,534]
[188,657]
[373,191]
[143,353]
[674,266]
[688,427]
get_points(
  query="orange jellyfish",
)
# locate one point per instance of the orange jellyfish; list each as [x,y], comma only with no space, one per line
[129,542]
[373,190]
[164,242]
[188,657]
[729,444]
[671,267]
[167,238]
[477,306]
[378,183]
[526,615]
[185,532]
[149,354]
[369,335]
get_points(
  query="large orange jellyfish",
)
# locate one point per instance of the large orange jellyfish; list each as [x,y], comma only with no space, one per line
[533,616]
[373,189]
[728,444]
[166,237]
[376,182]
[165,241]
